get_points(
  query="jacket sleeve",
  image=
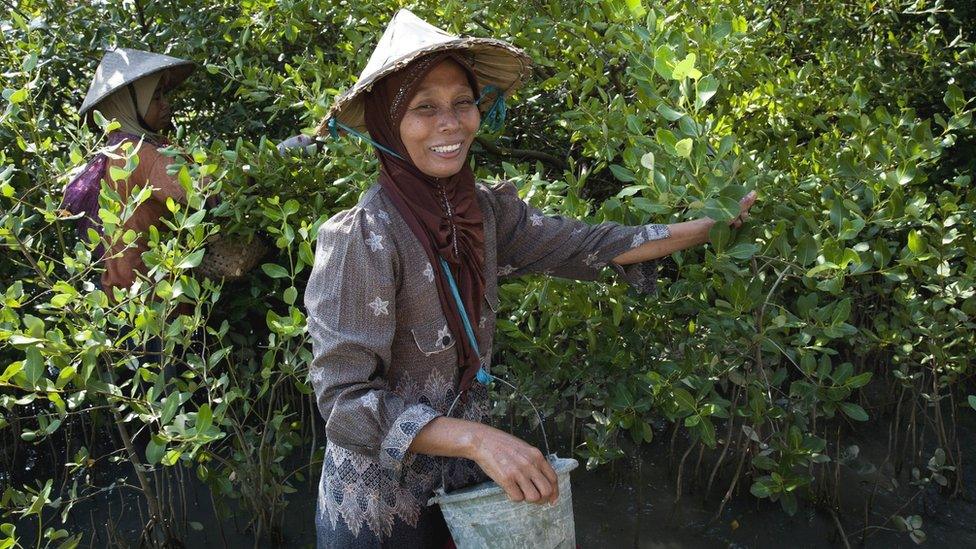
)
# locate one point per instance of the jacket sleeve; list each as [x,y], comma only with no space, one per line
[351,300]
[531,242]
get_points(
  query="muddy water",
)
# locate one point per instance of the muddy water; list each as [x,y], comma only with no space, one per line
[614,507]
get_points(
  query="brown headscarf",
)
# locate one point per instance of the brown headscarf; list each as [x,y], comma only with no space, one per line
[443,213]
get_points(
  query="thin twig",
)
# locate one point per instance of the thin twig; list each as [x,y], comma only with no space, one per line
[496,150]
[840,528]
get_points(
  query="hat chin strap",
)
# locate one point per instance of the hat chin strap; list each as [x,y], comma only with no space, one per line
[139,118]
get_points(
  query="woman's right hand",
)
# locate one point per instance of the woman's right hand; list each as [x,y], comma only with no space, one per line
[518,467]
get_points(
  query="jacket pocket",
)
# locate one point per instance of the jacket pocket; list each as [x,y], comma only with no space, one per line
[433,339]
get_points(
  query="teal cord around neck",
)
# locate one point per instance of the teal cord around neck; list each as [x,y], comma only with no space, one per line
[482,376]
[334,126]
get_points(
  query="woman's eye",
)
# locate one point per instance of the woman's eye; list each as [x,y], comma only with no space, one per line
[466,102]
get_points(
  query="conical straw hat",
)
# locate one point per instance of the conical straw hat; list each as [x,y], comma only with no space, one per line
[123,66]
[409,37]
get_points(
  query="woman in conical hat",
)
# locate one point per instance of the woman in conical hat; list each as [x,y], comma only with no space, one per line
[402,298]
[129,87]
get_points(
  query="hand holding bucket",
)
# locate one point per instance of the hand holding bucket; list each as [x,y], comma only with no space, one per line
[486,515]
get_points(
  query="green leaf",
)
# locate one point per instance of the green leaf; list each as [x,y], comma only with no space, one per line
[274,270]
[636,8]
[668,113]
[743,250]
[118,174]
[807,250]
[192,260]
[30,62]
[663,60]
[719,235]
[972,401]
[170,406]
[171,457]
[622,173]
[721,209]
[64,376]
[684,400]
[688,126]
[18,96]
[33,366]
[854,411]
[788,501]
[961,121]
[40,500]
[631,190]
[764,462]
[686,68]
[760,489]
[15,367]
[204,418]
[859,380]
[707,87]
[683,148]
[305,253]
[825,266]
[155,450]
[648,162]
[666,139]
[707,430]
[740,25]
[915,242]
[954,98]
[291,207]
[289,295]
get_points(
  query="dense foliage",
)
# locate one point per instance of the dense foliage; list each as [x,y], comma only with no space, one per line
[848,298]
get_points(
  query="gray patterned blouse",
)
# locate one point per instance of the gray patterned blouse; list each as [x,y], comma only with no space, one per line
[384,363]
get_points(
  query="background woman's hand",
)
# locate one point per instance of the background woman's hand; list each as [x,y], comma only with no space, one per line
[518,467]
[744,204]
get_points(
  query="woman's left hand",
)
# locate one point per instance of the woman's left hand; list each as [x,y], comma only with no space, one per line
[744,204]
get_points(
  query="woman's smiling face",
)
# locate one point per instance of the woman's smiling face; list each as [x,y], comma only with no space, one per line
[441,121]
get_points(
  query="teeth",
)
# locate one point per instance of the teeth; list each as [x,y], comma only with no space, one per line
[446,149]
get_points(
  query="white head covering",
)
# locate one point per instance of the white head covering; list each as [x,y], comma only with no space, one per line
[118,105]
[123,66]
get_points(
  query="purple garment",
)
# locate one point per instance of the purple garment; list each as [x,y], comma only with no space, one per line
[81,195]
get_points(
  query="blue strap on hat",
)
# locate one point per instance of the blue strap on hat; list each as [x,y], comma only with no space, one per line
[494,117]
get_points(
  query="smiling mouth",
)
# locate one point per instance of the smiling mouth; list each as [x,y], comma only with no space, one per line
[446,149]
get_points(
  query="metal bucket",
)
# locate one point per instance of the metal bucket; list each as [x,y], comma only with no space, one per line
[482,516]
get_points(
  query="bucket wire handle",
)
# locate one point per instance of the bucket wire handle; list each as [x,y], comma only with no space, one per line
[538,415]
[483,376]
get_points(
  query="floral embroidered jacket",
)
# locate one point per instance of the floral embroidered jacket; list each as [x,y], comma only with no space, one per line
[384,361]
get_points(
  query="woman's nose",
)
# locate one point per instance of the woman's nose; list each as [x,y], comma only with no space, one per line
[448,120]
